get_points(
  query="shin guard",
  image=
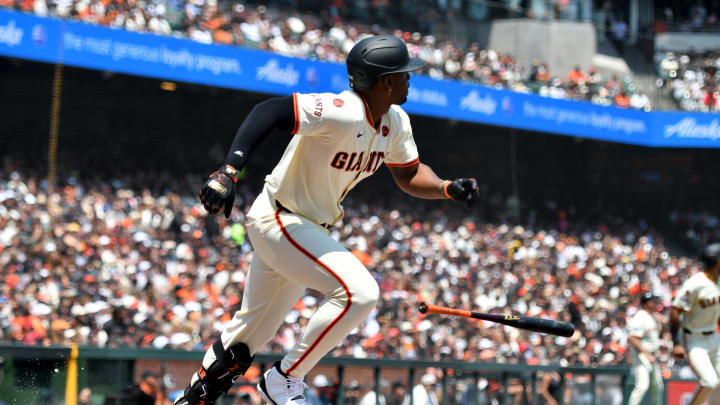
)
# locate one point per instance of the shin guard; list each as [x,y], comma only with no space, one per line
[217,379]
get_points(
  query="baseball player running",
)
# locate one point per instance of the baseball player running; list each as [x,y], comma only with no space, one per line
[340,139]
[644,336]
[693,324]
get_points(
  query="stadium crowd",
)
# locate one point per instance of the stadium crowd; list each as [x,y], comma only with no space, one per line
[103,264]
[329,36]
[692,79]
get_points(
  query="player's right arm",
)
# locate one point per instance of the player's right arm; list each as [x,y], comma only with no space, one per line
[634,340]
[219,190]
[636,330]
[544,389]
[418,179]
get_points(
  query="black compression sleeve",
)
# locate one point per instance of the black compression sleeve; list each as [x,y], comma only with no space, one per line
[278,112]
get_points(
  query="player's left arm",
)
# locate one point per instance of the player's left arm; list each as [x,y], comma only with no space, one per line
[419,180]
[218,192]
[678,349]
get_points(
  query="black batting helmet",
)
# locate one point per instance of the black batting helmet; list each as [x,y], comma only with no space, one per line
[376,56]
[647,297]
[710,255]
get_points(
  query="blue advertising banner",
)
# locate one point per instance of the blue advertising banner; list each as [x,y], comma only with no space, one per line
[183,60]
[88,46]
[28,37]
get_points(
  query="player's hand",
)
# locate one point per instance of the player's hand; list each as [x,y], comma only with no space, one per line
[462,190]
[650,357]
[219,190]
[678,352]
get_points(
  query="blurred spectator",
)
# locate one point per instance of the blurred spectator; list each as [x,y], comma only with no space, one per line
[311,36]
[698,13]
[352,393]
[622,100]
[320,392]
[84,397]
[691,78]
[369,398]
[639,101]
[105,265]
[397,394]
[146,392]
[577,76]
[423,392]
[619,34]
[551,389]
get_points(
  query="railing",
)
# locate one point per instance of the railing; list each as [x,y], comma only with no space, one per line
[453,372]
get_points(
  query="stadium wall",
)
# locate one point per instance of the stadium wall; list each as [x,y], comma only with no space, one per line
[76,44]
[684,41]
[563,44]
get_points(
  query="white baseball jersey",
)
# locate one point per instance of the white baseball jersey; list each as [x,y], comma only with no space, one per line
[337,147]
[699,297]
[645,327]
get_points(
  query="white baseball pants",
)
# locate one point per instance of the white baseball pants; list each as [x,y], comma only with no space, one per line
[647,375]
[293,253]
[704,358]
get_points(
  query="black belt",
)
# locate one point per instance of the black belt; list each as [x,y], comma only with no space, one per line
[282,208]
[700,333]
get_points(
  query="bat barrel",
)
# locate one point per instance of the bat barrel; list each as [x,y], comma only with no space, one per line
[522,322]
[542,325]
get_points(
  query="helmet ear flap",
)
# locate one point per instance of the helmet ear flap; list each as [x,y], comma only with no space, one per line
[358,80]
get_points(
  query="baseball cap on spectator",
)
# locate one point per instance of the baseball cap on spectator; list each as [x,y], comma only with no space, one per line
[428,379]
[148,374]
[160,342]
[291,317]
[40,309]
[424,325]
[647,297]
[321,381]
[179,338]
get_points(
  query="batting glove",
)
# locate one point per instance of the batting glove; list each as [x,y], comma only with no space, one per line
[219,190]
[462,190]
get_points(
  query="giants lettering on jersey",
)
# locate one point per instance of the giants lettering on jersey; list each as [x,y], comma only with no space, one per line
[350,162]
[318,106]
[685,297]
[704,303]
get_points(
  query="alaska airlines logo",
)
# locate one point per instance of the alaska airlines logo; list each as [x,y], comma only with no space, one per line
[273,73]
[39,36]
[689,128]
[425,96]
[472,102]
[9,35]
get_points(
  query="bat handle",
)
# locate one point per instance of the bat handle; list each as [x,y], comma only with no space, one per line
[423,307]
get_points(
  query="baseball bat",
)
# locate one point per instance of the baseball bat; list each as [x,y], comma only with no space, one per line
[521,322]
